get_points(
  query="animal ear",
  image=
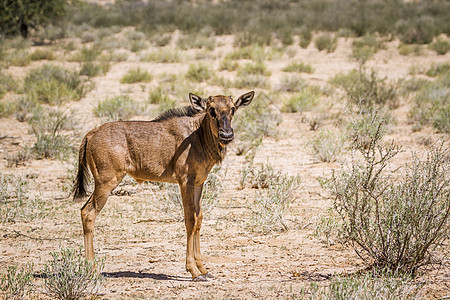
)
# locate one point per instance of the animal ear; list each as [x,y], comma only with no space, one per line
[244,99]
[197,102]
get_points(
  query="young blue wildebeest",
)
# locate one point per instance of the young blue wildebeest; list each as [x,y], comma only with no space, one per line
[180,146]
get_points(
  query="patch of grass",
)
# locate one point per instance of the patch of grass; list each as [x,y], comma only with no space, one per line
[163,56]
[365,47]
[431,106]
[199,41]
[327,145]
[438,69]
[228,64]
[367,90]
[18,158]
[7,84]
[15,204]
[270,204]
[298,67]
[52,84]
[257,68]
[136,75]
[253,52]
[136,46]
[20,58]
[394,220]
[305,37]
[86,54]
[299,102]
[291,83]
[17,283]
[371,285]
[440,46]
[70,276]
[120,108]
[251,81]
[199,72]
[326,41]
[42,54]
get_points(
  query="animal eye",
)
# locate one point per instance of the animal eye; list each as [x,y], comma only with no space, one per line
[212,112]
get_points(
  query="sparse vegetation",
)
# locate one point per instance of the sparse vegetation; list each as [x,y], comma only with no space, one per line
[51,84]
[326,42]
[17,282]
[299,67]
[120,108]
[70,276]
[391,221]
[301,101]
[327,145]
[136,75]
[440,45]
[198,72]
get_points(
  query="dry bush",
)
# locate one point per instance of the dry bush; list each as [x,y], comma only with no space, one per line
[17,283]
[119,108]
[392,220]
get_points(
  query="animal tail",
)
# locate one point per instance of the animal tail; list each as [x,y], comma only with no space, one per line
[81,181]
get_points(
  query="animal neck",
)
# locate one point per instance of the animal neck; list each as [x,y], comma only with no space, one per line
[211,145]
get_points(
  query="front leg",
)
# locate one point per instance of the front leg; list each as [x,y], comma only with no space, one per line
[190,218]
[198,217]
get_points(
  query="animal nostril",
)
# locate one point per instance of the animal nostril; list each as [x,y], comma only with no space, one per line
[226,134]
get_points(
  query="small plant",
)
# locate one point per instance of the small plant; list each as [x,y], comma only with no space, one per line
[42,54]
[430,106]
[326,42]
[258,178]
[258,68]
[163,56]
[393,221]
[70,276]
[291,83]
[270,204]
[327,145]
[371,285]
[18,158]
[305,99]
[228,64]
[7,84]
[251,81]
[437,69]
[440,46]
[18,58]
[198,72]
[299,67]
[14,201]
[367,90]
[136,75]
[51,130]
[17,282]
[364,48]
[120,108]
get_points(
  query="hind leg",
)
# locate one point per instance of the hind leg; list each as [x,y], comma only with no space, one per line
[92,208]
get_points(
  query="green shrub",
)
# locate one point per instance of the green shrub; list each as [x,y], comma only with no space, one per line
[291,83]
[437,69]
[251,81]
[257,68]
[303,100]
[42,54]
[17,283]
[420,30]
[253,52]
[199,41]
[326,42]
[198,72]
[393,221]
[7,84]
[18,58]
[70,276]
[120,108]
[228,64]
[367,90]
[51,130]
[136,75]
[54,85]
[440,46]
[298,67]
[430,106]
[163,56]
[305,38]
[86,54]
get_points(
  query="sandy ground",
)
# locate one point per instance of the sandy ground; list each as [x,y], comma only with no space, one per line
[145,249]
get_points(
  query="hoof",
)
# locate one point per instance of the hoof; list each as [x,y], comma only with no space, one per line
[201,278]
[208,275]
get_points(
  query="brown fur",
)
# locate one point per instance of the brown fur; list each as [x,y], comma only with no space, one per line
[180,146]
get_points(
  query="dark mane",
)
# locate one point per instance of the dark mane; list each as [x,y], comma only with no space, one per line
[187,111]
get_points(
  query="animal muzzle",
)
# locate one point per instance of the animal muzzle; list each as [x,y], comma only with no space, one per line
[226,136]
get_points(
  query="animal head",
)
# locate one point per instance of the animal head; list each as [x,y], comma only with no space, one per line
[221,110]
